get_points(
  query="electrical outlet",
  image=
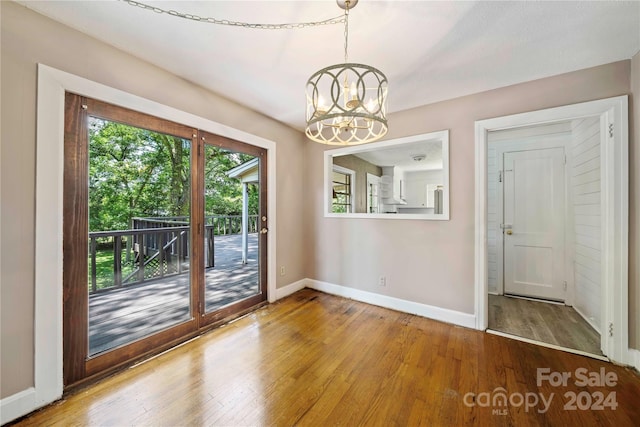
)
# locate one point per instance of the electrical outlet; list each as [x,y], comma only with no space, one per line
[282,271]
[382,281]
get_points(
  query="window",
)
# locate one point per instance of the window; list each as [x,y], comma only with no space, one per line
[404,167]
[343,194]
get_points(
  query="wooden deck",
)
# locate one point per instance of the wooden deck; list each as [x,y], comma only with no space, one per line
[124,315]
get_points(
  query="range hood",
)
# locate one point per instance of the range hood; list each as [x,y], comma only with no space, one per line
[391,186]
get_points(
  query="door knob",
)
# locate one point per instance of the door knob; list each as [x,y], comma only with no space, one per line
[264,231]
[509,232]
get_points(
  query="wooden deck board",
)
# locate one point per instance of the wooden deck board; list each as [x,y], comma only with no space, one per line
[127,314]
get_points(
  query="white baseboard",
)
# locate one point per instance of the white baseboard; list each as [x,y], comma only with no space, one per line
[424,310]
[17,405]
[289,289]
[634,358]
[24,402]
[586,319]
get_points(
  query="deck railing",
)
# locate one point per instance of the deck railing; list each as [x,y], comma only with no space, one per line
[221,224]
[152,249]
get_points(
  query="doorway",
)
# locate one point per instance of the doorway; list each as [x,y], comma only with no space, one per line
[174,219]
[609,117]
[541,177]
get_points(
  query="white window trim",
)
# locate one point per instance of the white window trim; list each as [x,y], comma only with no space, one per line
[443,136]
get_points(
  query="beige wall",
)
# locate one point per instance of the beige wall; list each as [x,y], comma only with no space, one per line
[361,168]
[425,261]
[634,205]
[432,262]
[29,38]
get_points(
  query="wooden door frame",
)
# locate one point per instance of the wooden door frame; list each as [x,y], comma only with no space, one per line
[48,319]
[614,130]
[206,138]
[78,363]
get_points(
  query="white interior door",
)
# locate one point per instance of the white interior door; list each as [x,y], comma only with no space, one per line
[534,205]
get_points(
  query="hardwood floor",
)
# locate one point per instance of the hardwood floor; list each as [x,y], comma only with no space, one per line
[550,323]
[315,359]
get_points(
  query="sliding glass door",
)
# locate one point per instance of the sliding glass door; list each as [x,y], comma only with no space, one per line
[161,233]
[139,210]
[234,200]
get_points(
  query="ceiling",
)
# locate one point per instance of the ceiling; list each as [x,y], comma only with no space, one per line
[429,50]
[428,153]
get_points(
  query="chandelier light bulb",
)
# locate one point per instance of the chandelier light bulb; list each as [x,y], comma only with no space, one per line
[322,106]
[371,105]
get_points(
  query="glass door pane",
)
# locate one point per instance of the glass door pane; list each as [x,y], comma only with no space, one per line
[138,255]
[232,224]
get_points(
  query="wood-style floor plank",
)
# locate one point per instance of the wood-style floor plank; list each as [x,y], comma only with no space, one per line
[315,359]
[545,322]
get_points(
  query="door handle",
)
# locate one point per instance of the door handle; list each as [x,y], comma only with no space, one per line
[509,232]
[264,231]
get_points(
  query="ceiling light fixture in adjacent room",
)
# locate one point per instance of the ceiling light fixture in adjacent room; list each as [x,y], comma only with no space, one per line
[346,103]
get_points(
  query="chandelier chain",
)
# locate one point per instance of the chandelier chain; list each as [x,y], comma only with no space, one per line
[209,20]
[346,33]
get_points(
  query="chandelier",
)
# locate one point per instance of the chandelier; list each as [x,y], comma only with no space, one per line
[346,103]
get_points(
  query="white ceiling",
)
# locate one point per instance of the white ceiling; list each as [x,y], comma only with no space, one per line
[429,50]
[402,155]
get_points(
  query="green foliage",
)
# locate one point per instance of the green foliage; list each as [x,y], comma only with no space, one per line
[134,172]
[104,268]
[223,195]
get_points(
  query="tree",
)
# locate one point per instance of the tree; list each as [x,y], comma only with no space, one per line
[223,195]
[135,172]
